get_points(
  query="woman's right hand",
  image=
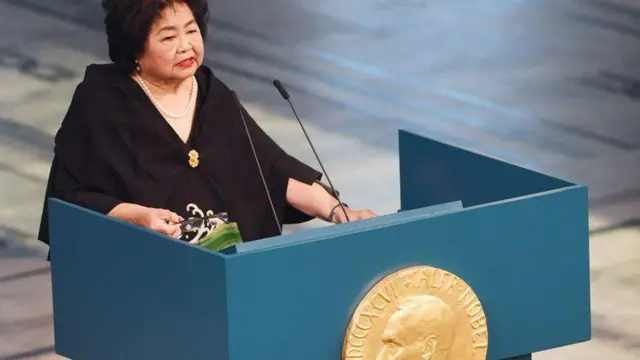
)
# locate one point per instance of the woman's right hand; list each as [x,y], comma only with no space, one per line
[160,220]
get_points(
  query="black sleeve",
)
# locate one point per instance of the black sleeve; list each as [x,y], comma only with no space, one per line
[88,156]
[280,167]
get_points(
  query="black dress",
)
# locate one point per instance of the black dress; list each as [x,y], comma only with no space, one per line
[114,146]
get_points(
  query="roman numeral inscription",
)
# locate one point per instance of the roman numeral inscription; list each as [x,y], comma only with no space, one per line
[375,306]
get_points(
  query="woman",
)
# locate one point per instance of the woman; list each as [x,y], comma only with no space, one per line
[155,137]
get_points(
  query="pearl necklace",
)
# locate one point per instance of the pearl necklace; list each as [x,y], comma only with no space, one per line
[162,109]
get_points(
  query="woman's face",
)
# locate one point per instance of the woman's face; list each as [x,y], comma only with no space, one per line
[175,48]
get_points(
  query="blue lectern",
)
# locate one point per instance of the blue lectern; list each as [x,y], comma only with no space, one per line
[519,238]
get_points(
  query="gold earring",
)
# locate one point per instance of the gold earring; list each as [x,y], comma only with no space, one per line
[138,69]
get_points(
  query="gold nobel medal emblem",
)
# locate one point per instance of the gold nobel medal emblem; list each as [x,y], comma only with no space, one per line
[418,313]
[194,158]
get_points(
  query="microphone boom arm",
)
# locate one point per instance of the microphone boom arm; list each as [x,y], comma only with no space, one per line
[255,155]
[333,192]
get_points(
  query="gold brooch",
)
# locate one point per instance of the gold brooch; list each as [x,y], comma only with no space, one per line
[194,158]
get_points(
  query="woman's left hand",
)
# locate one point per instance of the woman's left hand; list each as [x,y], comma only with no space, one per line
[354,215]
[315,200]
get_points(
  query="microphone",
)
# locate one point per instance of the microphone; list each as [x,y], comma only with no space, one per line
[285,95]
[255,156]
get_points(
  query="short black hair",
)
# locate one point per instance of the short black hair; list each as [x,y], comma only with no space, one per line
[128,24]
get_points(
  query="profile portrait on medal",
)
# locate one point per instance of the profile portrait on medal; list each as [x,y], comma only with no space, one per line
[422,328]
[154,137]
[418,313]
